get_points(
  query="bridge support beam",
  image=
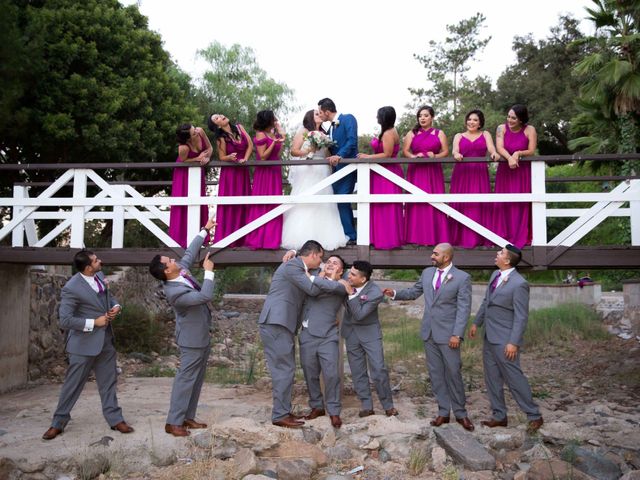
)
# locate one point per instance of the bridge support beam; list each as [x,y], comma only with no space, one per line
[14,324]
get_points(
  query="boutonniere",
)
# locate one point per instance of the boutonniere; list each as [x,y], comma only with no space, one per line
[363,298]
[505,279]
[336,122]
[448,277]
[106,283]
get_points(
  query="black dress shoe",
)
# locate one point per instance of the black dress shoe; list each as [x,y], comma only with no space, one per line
[351,242]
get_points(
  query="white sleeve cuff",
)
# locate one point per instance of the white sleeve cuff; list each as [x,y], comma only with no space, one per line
[393,297]
[209,275]
[88,325]
[203,233]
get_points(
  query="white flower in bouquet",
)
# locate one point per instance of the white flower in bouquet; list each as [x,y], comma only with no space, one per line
[318,140]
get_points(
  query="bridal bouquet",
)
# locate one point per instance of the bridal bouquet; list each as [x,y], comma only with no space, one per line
[318,140]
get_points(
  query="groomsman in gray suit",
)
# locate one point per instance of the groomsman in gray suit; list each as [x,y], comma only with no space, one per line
[504,314]
[447,304]
[319,344]
[363,336]
[86,312]
[279,323]
[190,302]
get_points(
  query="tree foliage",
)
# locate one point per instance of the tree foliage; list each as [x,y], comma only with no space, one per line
[236,86]
[609,118]
[446,64]
[88,82]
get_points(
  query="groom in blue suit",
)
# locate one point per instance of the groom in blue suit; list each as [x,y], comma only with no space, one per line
[344,132]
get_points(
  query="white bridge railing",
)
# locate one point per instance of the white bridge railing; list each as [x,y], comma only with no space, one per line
[118,203]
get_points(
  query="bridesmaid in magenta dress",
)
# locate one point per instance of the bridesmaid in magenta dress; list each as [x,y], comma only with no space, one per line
[234,145]
[386,225]
[425,225]
[515,139]
[193,147]
[472,177]
[266,180]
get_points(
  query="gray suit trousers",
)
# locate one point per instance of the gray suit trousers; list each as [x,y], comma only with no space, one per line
[280,353]
[497,371]
[188,384]
[445,372]
[321,354]
[359,354]
[80,366]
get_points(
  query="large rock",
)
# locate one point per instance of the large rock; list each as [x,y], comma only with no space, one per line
[464,448]
[247,433]
[562,433]
[508,441]
[554,468]
[294,449]
[382,426]
[245,462]
[634,475]
[592,463]
[296,469]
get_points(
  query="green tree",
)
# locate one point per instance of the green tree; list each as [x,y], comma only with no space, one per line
[236,85]
[610,97]
[94,85]
[446,64]
[543,72]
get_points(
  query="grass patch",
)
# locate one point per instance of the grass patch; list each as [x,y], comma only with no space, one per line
[401,336]
[418,459]
[156,371]
[137,329]
[404,275]
[562,323]
[245,374]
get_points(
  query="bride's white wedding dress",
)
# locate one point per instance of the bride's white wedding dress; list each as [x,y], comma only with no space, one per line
[317,221]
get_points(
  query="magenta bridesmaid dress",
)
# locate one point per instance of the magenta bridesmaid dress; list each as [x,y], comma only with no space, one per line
[513,220]
[471,177]
[266,181]
[425,225]
[179,188]
[233,181]
[386,228]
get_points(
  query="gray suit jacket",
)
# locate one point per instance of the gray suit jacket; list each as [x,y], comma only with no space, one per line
[193,317]
[446,311]
[361,314]
[77,303]
[505,311]
[321,311]
[289,288]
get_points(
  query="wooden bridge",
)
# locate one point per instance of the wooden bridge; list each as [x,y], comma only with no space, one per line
[80,194]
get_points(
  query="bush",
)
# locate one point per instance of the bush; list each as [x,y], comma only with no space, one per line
[562,323]
[139,330]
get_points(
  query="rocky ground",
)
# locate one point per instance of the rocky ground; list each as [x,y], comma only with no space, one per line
[589,394]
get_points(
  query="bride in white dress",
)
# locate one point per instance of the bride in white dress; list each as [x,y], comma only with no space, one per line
[318,221]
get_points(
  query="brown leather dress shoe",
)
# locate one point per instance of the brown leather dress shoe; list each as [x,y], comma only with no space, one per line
[336,421]
[288,422]
[51,433]
[492,423]
[391,412]
[439,420]
[534,425]
[365,413]
[122,427]
[190,423]
[466,423]
[176,430]
[315,413]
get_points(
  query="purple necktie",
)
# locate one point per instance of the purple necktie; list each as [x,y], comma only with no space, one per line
[494,284]
[191,281]
[439,280]
[99,283]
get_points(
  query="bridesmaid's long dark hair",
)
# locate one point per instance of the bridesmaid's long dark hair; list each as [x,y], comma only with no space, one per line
[386,119]
[429,109]
[264,120]
[219,133]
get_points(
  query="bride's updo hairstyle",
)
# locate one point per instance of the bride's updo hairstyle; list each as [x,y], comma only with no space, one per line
[386,119]
[265,119]
[309,121]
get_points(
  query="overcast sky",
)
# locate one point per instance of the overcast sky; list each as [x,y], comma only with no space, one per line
[358,53]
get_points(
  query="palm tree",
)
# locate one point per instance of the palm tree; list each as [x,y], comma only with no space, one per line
[609,99]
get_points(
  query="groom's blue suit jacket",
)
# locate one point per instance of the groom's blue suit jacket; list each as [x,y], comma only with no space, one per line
[345,134]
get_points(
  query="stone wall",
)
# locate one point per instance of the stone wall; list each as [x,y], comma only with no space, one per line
[46,341]
[631,292]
